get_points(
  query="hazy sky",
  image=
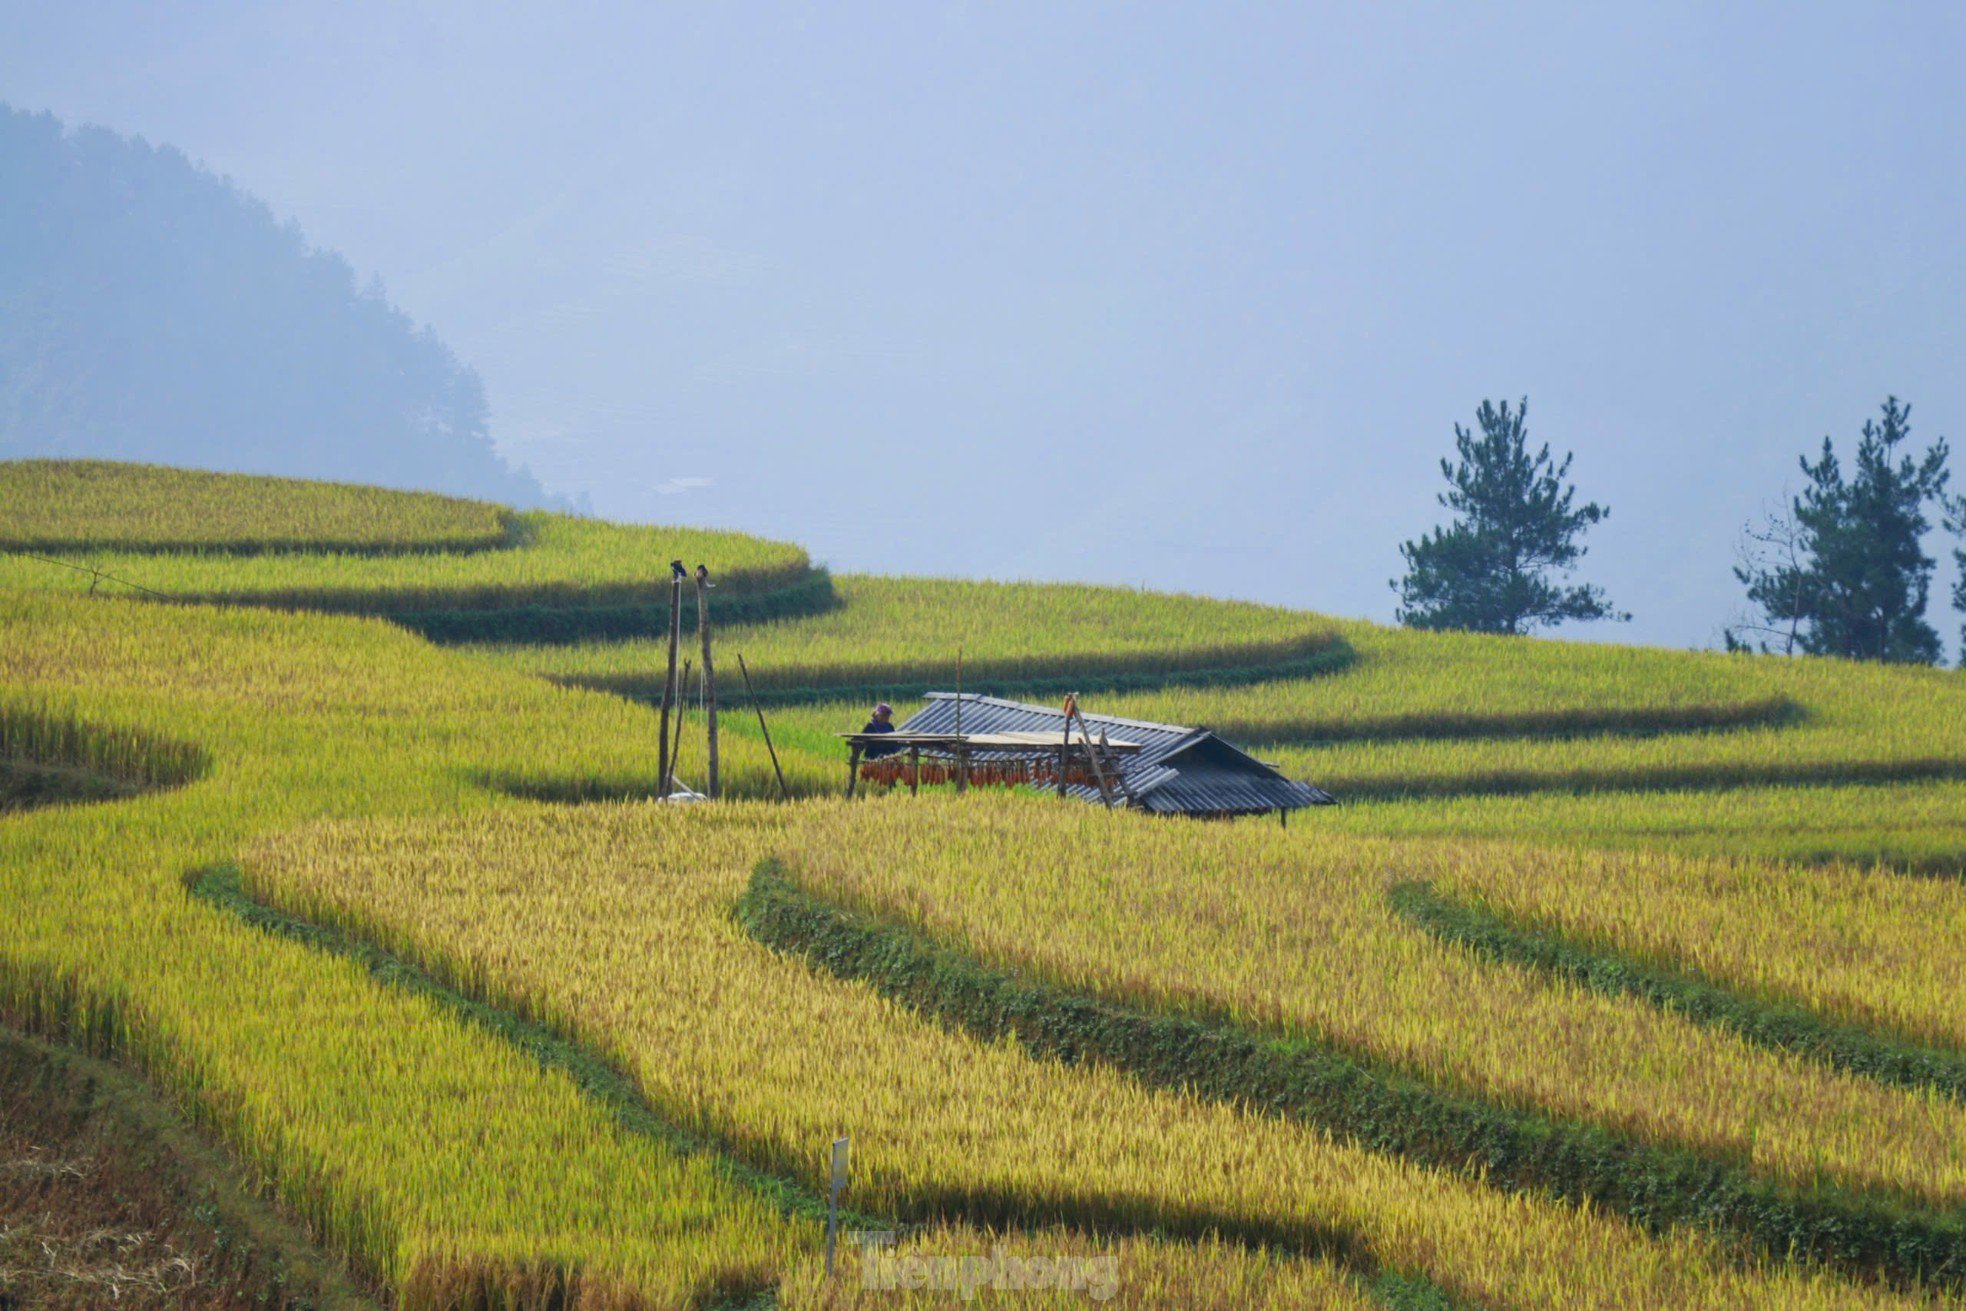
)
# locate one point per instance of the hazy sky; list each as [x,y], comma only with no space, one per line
[1186,296]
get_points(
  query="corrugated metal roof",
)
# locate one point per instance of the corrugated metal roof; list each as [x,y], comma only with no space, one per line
[1210,776]
[1209,787]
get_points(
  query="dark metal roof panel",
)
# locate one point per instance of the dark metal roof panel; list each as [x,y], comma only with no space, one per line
[1211,788]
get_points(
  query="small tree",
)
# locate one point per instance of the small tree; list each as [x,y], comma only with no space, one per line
[1956,521]
[1858,583]
[1775,547]
[1489,570]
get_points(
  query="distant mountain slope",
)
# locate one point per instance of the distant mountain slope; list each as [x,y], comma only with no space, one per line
[150,310]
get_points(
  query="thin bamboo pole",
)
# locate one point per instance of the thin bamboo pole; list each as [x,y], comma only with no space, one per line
[1065,745]
[663,767]
[676,749]
[712,788]
[784,792]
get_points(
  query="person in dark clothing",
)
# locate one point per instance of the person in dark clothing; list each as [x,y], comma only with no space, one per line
[882,722]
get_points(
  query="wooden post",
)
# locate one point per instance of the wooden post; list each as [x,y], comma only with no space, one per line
[962,766]
[676,745]
[1119,775]
[669,681]
[1065,746]
[712,790]
[914,771]
[853,769]
[840,1146]
[1092,757]
[1283,817]
[784,792]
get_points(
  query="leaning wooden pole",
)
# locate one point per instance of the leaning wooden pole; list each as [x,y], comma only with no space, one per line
[783,791]
[669,680]
[713,791]
[1065,744]
[676,744]
[1092,757]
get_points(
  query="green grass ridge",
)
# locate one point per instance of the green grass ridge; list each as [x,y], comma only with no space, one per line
[1781,1026]
[553,624]
[1090,678]
[41,738]
[221,886]
[1705,777]
[25,785]
[1379,1108]
[1577,722]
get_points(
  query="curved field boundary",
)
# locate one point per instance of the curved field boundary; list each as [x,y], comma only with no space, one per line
[1417,686]
[1856,724]
[1768,1024]
[51,1007]
[595,578]
[419,1147]
[66,506]
[24,786]
[509,534]
[1380,1108]
[554,1049]
[899,637]
[468,570]
[46,738]
[796,599]
[1574,721]
[1312,656]
[1915,828]
[564,564]
[220,886]
[1710,776]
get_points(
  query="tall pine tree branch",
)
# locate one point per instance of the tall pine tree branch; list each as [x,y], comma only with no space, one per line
[1860,581]
[1516,524]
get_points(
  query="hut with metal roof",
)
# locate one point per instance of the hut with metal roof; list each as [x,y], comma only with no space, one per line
[1175,770]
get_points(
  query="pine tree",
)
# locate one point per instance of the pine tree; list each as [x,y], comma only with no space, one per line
[1859,584]
[1489,570]
[1957,522]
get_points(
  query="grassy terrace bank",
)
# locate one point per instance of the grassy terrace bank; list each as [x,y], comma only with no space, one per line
[1308,949]
[627,940]
[426,562]
[1270,1276]
[431,1157]
[1361,1101]
[99,505]
[890,638]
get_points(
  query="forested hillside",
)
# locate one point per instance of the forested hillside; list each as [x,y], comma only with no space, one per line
[150,310]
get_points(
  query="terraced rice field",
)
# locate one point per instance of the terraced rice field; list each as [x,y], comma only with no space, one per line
[893,637]
[389,554]
[755,1049]
[96,505]
[1626,978]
